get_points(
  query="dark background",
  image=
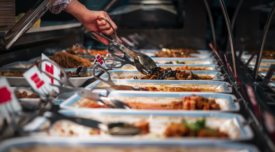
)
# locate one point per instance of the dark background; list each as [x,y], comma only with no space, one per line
[191,30]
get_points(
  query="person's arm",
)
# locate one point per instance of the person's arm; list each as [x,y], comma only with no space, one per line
[90,19]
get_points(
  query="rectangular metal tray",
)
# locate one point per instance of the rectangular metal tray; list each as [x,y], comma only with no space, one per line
[20,64]
[227,102]
[185,60]
[263,74]
[211,67]
[232,124]
[61,144]
[195,55]
[264,62]
[261,67]
[222,87]
[20,81]
[272,86]
[127,74]
[157,50]
[28,101]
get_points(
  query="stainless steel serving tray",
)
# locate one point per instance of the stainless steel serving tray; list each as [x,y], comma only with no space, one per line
[232,124]
[127,74]
[264,62]
[20,81]
[219,86]
[227,102]
[152,51]
[210,67]
[260,68]
[184,61]
[20,64]
[61,144]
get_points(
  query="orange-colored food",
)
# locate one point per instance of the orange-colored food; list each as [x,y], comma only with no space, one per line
[67,60]
[176,53]
[267,54]
[186,67]
[188,103]
[180,130]
[24,94]
[102,53]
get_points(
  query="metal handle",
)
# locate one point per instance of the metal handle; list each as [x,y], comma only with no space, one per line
[27,21]
[250,59]
[114,36]
[64,81]
[92,33]
[109,81]
[119,104]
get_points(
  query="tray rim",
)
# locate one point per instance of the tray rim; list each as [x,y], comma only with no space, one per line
[76,97]
[5,145]
[237,119]
[225,84]
[215,66]
[217,73]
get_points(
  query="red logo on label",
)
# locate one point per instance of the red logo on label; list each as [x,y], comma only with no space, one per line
[5,95]
[99,59]
[38,82]
[49,69]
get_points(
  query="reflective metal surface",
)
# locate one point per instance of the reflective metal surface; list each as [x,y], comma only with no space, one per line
[27,21]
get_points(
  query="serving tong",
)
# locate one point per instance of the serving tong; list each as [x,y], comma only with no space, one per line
[51,112]
[143,63]
[66,86]
[112,85]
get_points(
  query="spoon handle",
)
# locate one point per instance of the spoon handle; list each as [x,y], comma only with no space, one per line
[109,81]
[129,52]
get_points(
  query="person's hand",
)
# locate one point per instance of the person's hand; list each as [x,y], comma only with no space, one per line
[92,20]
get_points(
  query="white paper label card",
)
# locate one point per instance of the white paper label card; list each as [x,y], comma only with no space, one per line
[100,61]
[37,81]
[51,69]
[8,102]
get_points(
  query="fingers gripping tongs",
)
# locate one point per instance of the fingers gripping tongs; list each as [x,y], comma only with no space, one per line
[143,63]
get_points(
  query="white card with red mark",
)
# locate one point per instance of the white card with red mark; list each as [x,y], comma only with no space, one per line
[100,61]
[38,81]
[52,70]
[8,102]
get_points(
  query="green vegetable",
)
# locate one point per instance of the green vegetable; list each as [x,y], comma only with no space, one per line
[164,105]
[178,62]
[199,124]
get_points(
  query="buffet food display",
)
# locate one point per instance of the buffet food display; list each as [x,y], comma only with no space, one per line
[184,99]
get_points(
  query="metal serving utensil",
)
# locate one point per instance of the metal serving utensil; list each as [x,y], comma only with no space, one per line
[123,60]
[85,54]
[52,116]
[144,60]
[112,85]
[66,86]
[81,71]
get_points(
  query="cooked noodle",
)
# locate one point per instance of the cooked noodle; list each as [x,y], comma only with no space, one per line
[66,60]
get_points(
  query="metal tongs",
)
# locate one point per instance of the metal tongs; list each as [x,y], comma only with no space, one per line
[85,54]
[66,86]
[112,85]
[143,63]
